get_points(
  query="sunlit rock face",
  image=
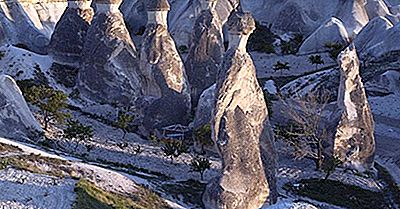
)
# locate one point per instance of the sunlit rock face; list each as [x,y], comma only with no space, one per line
[16,120]
[205,51]
[67,41]
[109,72]
[241,128]
[166,82]
[354,141]
[332,31]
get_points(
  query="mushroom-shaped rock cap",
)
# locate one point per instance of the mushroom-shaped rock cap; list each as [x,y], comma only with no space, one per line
[108,1]
[157,5]
[240,22]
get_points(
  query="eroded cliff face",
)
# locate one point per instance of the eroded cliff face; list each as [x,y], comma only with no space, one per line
[205,53]
[240,129]
[166,86]
[16,120]
[354,140]
[68,38]
[109,72]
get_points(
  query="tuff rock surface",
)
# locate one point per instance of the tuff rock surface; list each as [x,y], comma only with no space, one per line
[332,31]
[16,120]
[19,28]
[166,87]
[205,107]
[109,71]
[354,142]
[241,129]
[67,40]
[205,52]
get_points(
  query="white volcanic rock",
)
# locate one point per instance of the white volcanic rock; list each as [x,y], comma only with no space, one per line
[67,40]
[109,71]
[378,8]
[332,31]
[353,14]
[205,107]
[378,38]
[16,119]
[166,83]
[354,141]
[240,129]
[372,33]
[18,28]
[205,52]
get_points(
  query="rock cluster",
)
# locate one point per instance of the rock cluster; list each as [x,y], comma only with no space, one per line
[241,128]
[67,40]
[354,142]
[109,72]
[166,88]
[16,120]
[205,52]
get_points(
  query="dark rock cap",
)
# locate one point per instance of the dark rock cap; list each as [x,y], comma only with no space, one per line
[157,5]
[108,1]
[240,22]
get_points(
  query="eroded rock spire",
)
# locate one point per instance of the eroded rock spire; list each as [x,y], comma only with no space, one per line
[206,49]
[109,71]
[241,128]
[354,141]
[166,85]
[67,40]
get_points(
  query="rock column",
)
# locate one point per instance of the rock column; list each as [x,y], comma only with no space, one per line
[67,40]
[241,128]
[354,141]
[206,49]
[166,86]
[109,72]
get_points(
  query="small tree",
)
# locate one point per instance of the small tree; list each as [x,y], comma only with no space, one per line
[174,149]
[200,165]
[330,164]
[52,103]
[334,50]
[281,66]
[124,119]
[203,136]
[77,131]
[316,60]
[306,134]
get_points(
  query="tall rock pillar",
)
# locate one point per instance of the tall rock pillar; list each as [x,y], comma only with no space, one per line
[67,40]
[109,72]
[241,128]
[354,141]
[206,49]
[166,83]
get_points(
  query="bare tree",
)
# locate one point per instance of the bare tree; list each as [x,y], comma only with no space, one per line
[305,133]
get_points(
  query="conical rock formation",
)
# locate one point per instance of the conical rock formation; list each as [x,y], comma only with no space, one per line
[109,71]
[166,82]
[205,52]
[67,40]
[241,129]
[16,120]
[354,142]
[205,107]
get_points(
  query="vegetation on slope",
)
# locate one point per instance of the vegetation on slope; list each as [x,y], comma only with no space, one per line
[338,193]
[89,196]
